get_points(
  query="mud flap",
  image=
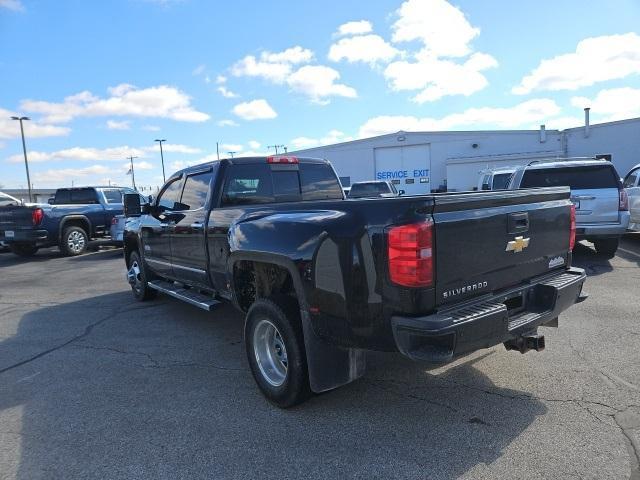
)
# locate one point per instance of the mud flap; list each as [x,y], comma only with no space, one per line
[330,366]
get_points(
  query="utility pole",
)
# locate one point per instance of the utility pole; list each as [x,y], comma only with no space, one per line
[231,153]
[164,179]
[285,149]
[133,174]
[24,150]
[276,147]
[217,151]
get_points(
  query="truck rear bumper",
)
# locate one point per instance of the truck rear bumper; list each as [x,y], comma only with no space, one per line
[24,236]
[591,230]
[488,321]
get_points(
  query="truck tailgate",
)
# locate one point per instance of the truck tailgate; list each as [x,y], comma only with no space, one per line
[488,241]
[14,216]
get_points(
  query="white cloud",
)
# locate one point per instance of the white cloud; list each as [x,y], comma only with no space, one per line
[125,100]
[198,70]
[11,128]
[114,125]
[175,148]
[319,82]
[253,145]
[525,113]
[596,59]
[227,123]
[439,68]
[362,48]
[354,28]
[221,79]
[437,77]
[441,27]
[65,175]
[15,5]
[231,147]
[293,56]
[225,92]
[274,67]
[137,165]
[315,81]
[81,154]
[2,145]
[333,136]
[255,110]
[151,128]
[612,104]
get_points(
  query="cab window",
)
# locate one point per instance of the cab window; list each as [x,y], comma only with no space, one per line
[196,189]
[248,184]
[168,198]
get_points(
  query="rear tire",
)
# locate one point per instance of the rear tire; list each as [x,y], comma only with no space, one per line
[140,288]
[607,247]
[275,350]
[23,249]
[74,241]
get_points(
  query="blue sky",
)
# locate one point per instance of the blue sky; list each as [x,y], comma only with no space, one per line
[102,80]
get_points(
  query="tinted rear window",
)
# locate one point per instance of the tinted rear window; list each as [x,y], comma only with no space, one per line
[248,185]
[577,178]
[501,181]
[368,189]
[76,197]
[319,182]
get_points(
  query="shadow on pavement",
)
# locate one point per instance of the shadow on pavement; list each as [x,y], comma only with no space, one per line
[586,257]
[47,254]
[162,390]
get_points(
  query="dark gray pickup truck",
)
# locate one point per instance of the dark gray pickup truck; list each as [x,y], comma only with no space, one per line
[322,279]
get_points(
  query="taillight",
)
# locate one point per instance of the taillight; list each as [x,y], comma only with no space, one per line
[623,204]
[572,228]
[36,216]
[410,252]
[282,159]
[114,221]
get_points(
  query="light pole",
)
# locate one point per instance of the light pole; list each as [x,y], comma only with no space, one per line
[164,179]
[276,147]
[24,149]
[232,153]
[133,174]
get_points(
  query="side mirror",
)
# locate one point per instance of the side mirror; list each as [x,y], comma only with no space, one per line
[132,206]
[51,200]
[400,192]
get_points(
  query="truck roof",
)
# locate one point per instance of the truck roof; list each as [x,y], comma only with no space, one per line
[566,163]
[246,160]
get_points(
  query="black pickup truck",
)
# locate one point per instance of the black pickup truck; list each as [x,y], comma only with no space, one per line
[323,279]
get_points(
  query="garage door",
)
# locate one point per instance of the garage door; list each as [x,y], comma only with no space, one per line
[408,167]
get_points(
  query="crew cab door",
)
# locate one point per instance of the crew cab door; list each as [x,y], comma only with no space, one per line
[156,240]
[187,231]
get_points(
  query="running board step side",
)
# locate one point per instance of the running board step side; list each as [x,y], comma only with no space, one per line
[195,298]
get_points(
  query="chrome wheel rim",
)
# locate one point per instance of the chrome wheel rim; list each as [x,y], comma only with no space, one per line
[270,352]
[134,274]
[76,241]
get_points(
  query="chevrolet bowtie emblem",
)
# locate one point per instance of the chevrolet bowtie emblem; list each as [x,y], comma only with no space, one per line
[517,244]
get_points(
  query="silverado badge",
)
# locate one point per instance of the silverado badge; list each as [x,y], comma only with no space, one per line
[517,245]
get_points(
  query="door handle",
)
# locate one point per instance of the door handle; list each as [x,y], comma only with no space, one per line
[584,197]
[518,223]
[197,226]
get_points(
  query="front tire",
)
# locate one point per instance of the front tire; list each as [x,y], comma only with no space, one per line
[74,241]
[24,250]
[275,350]
[607,247]
[140,278]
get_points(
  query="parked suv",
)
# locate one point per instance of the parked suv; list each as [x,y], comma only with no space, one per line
[495,179]
[631,184]
[602,207]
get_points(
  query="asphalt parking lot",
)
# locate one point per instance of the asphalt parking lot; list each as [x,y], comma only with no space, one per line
[96,385]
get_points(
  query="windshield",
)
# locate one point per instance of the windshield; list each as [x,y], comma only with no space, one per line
[501,181]
[577,178]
